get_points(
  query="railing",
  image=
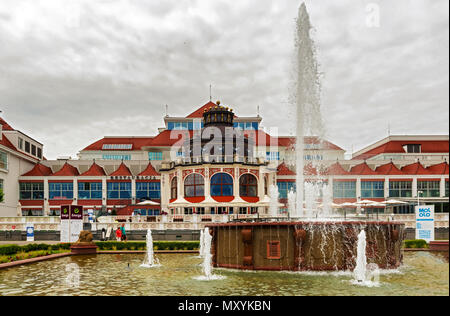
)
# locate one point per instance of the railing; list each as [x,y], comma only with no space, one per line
[194,221]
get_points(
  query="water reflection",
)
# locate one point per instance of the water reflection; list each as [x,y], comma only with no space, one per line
[421,274]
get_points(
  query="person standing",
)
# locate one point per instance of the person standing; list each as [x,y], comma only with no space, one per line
[124,233]
[118,234]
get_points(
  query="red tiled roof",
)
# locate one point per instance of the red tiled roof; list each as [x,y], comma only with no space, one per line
[136,142]
[67,171]
[121,171]
[94,171]
[283,170]
[441,168]
[5,142]
[309,170]
[5,125]
[163,139]
[336,169]
[287,141]
[362,169]
[415,168]
[149,171]
[389,169]
[199,112]
[38,170]
[427,146]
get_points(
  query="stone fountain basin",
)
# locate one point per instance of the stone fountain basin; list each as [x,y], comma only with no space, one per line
[305,245]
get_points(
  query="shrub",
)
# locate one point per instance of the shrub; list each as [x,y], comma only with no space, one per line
[415,243]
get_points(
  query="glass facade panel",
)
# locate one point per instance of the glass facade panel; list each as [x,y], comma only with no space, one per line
[344,189]
[428,188]
[119,190]
[148,190]
[372,189]
[89,190]
[60,191]
[221,185]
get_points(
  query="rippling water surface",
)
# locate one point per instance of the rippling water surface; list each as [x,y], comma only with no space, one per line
[421,274]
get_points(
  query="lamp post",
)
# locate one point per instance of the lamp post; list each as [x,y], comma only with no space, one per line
[418,197]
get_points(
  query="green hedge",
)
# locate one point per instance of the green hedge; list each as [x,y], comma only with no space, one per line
[140,245]
[7,250]
[415,243]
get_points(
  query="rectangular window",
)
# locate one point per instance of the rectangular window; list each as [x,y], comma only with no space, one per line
[273,249]
[118,146]
[33,150]
[89,190]
[344,189]
[400,189]
[284,188]
[148,190]
[116,157]
[20,144]
[119,190]
[446,188]
[273,155]
[155,155]
[428,188]
[3,160]
[31,191]
[27,147]
[60,191]
[39,152]
[372,189]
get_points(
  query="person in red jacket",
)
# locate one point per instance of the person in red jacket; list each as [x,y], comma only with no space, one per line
[119,234]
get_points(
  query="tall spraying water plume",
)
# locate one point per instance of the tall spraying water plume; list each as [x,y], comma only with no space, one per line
[150,261]
[307,98]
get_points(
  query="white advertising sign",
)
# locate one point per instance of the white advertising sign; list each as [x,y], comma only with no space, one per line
[65,230]
[76,226]
[425,222]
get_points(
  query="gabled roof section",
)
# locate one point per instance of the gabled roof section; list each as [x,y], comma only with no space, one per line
[5,142]
[123,171]
[441,168]
[94,171]
[38,170]
[283,170]
[199,112]
[415,168]
[289,141]
[362,169]
[67,171]
[336,169]
[389,169]
[149,171]
[5,125]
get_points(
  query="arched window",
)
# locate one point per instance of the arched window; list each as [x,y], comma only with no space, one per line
[221,185]
[194,185]
[174,188]
[248,185]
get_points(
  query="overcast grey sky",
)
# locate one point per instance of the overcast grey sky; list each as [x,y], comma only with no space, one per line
[74,71]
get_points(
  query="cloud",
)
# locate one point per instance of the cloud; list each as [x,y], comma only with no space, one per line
[75,71]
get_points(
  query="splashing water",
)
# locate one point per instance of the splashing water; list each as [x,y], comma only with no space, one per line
[307,103]
[363,272]
[207,259]
[292,202]
[150,261]
[202,244]
[274,194]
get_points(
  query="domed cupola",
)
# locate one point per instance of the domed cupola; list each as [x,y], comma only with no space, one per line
[218,116]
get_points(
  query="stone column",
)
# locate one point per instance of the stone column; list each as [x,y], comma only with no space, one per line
[75,191]
[442,187]
[207,184]
[133,191]
[104,191]
[386,187]
[46,197]
[414,187]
